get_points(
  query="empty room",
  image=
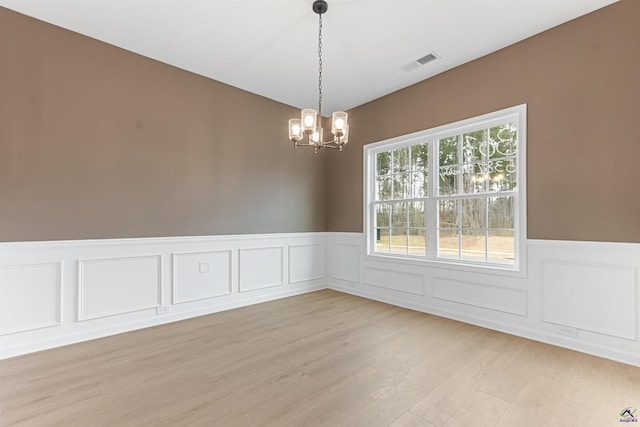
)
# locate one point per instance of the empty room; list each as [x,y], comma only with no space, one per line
[319,213]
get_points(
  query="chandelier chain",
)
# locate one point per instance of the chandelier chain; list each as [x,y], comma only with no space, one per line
[320,65]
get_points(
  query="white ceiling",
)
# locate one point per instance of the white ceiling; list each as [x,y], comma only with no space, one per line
[269,47]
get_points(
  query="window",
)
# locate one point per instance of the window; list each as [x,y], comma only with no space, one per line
[453,194]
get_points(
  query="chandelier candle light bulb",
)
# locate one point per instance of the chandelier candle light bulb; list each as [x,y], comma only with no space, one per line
[295,130]
[309,119]
[339,123]
[316,136]
[309,126]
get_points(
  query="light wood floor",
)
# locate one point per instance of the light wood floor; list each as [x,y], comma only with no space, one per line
[324,358]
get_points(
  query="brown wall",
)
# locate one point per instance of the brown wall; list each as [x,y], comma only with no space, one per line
[581,82]
[97,142]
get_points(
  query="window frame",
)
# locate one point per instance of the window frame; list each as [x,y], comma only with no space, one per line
[517,114]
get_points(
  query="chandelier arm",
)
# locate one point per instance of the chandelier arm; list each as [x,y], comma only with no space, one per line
[306,144]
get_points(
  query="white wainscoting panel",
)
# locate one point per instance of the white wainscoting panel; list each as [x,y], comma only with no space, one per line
[261,268]
[593,287]
[580,295]
[30,297]
[394,280]
[590,296]
[111,286]
[507,300]
[345,262]
[306,263]
[201,275]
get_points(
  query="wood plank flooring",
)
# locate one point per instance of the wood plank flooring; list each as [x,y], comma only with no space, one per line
[320,359]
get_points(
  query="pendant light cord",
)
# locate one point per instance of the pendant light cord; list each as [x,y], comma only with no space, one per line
[320,65]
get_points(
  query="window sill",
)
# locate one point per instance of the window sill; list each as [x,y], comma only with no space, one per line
[491,269]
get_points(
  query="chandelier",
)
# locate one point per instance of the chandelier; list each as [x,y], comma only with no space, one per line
[307,130]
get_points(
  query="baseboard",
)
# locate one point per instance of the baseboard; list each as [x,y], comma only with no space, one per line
[119,328]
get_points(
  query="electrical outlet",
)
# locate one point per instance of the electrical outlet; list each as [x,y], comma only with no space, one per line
[568,331]
[164,309]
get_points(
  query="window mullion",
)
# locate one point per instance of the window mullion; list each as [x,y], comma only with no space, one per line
[459,201]
[391,175]
[431,205]
[459,167]
[486,230]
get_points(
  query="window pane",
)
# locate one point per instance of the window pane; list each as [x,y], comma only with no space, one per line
[501,212]
[511,177]
[449,243]
[399,215]
[501,246]
[417,241]
[503,140]
[401,160]
[383,215]
[448,151]
[419,184]
[401,186]
[503,175]
[473,213]
[420,157]
[448,214]
[447,180]
[382,239]
[417,214]
[474,178]
[474,147]
[383,163]
[383,188]
[399,240]
[473,245]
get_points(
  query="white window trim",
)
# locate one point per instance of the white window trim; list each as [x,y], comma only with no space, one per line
[519,113]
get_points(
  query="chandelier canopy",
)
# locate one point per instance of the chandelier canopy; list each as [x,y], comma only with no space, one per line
[307,130]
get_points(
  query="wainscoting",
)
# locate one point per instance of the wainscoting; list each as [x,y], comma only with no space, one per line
[58,293]
[578,295]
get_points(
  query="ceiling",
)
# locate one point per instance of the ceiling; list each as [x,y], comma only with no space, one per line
[269,47]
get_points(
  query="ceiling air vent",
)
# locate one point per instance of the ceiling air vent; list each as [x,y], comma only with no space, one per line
[420,62]
[428,58]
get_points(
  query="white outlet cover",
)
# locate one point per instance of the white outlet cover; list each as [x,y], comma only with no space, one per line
[568,331]
[205,267]
[164,309]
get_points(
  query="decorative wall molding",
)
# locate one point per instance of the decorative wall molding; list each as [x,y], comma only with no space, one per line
[591,296]
[394,280]
[201,275]
[119,285]
[48,283]
[261,268]
[306,262]
[344,262]
[30,297]
[491,297]
[602,278]
[111,286]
